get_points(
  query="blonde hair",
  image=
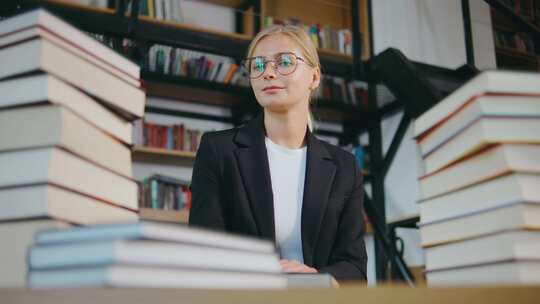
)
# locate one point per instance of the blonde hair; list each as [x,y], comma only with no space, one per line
[298,35]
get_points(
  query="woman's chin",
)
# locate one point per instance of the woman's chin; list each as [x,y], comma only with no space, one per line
[276,106]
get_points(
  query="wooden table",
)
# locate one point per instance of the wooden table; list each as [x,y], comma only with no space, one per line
[346,294]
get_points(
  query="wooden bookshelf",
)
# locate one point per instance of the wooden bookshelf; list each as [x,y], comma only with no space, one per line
[512,24]
[162,156]
[335,13]
[169,216]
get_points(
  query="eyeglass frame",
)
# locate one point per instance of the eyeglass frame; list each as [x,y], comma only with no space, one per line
[275,67]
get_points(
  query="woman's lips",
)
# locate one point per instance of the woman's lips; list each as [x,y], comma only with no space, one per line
[272,89]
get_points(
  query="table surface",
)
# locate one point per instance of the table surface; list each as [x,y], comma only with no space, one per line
[345,294]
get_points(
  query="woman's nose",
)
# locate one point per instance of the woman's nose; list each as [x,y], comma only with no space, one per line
[270,71]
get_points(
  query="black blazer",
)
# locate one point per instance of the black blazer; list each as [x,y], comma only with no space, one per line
[232,191]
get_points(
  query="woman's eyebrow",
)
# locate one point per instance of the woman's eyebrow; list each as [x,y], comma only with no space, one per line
[273,55]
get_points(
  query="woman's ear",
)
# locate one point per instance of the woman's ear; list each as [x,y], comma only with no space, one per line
[316,81]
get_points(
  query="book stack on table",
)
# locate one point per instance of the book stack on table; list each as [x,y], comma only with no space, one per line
[150,254]
[480,206]
[66,115]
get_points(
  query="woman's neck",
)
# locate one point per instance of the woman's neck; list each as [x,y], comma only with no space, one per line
[287,129]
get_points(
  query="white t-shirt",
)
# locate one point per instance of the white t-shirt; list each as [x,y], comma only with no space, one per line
[287,172]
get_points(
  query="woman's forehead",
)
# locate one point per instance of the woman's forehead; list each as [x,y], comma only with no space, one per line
[274,44]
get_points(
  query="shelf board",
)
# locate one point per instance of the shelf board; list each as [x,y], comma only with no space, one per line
[170,216]
[336,54]
[162,156]
[227,3]
[516,53]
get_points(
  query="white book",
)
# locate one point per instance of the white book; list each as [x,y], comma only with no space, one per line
[496,81]
[35,32]
[520,215]
[47,88]
[500,191]
[70,34]
[159,9]
[133,276]
[59,167]
[51,125]
[503,246]
[43,55]
[16,238]
[157,232]
[49,201]
[495,161]
[482,106]
[151,253]
[511,272]
[484,132]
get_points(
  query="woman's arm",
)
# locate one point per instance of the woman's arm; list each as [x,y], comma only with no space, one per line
[206,206]
[348,259]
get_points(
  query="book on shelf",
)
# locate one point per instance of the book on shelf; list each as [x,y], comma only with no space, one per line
[164,193]
[49,89]
[152,255]
[171,137]
[521,42]
[322,36]
[169,10]
[168,60]
[337,90]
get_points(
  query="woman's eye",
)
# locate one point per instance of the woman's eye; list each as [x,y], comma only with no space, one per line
[258,65]
[285,61]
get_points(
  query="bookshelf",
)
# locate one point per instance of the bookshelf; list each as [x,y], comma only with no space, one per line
[516,30]
[169,216]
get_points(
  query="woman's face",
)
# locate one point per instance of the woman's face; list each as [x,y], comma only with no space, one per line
[276,92]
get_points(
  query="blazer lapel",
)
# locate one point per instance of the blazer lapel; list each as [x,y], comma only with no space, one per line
[320,172]
[252,161]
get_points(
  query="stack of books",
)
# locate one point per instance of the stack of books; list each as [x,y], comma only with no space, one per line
[65,130]
[151,254]
[480,206]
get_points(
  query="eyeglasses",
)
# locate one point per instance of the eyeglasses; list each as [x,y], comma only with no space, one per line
[284,63]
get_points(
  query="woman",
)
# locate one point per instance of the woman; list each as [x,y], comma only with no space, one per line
[273,179]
